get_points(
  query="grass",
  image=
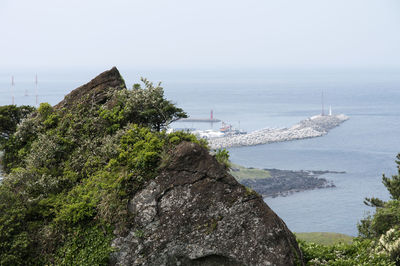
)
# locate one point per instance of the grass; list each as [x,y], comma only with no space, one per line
[325,238]
[239,172]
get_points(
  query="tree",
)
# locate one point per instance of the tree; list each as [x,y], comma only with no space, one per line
[157,111]
[387,215]
[143,106]
[10,117]
[393,184]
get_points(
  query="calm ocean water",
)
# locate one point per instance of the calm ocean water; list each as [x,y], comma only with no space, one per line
[364,146]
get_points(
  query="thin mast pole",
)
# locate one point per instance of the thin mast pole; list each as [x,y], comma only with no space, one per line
[36,89]
[12,89]
[322,101]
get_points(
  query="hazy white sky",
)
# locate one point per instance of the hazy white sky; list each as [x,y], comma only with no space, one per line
[217,33]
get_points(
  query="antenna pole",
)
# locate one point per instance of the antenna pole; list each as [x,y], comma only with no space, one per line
[12,89]
[36,89]
[322,101]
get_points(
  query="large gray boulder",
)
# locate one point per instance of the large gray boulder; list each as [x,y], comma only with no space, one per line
[195,213]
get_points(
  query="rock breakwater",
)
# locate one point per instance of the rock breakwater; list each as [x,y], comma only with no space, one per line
[315,126]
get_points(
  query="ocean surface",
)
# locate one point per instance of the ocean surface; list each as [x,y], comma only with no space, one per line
[365,146]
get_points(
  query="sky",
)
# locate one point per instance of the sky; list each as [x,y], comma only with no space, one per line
[199,34]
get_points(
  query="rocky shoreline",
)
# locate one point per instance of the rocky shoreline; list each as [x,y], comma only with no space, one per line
[315,126]
[286,182]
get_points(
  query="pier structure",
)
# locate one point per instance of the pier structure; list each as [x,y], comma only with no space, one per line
[201,120]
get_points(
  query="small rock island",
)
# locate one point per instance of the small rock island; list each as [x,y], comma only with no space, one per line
[275,182]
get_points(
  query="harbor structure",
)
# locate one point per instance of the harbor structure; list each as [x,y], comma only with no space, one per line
[201,120]
[315,126]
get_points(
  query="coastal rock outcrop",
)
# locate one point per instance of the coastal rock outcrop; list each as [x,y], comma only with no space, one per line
[96,92]
[286,182]
[195,213]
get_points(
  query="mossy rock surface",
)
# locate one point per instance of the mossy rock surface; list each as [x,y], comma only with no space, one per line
[240,172]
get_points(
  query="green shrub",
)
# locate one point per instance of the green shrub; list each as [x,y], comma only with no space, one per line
[10,117]
[86,245]
[71,173]
[357,253]
[222,156]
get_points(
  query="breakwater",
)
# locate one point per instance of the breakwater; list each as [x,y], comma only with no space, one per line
[199,120]
[315,126]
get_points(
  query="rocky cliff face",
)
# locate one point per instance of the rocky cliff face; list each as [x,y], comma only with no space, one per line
[98,91]
[195,213]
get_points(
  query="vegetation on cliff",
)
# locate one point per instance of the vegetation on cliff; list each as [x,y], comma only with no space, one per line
[70,172]
[72,169]
[10,116]
[96,180]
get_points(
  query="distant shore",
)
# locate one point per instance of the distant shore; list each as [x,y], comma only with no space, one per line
[315,126]
[274,182]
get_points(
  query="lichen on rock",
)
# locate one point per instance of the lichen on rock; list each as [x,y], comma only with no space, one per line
[195,213]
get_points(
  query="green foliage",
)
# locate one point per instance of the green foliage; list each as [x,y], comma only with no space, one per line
[155,111]
[358,253]
[389,244]
[14,240]
[387,215]
[222,156]
[250,191]
[180,136]
[144,106]
[45,110]
[71,173]
[86,245]
[10,117]
[393,184]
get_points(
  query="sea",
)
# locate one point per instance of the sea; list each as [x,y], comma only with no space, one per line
[365,146]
